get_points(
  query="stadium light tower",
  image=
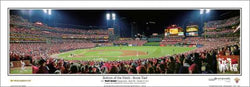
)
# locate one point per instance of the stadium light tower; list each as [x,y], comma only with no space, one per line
[201,11]
[45,10]
[108,16]
[113,16]
[49,11]
[207,10]
[204,11]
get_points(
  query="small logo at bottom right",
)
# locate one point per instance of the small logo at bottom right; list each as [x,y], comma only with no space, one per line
[237,80]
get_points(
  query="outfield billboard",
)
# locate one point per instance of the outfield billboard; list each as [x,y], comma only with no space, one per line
[180,33]
[192,34]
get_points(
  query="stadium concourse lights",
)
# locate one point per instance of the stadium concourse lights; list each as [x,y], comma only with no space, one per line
[47,11]
[204,10]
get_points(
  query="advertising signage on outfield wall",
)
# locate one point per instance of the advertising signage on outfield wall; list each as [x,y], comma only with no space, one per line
[181,33]
[192,34]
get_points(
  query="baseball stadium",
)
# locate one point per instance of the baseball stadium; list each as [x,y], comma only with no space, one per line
[57,41]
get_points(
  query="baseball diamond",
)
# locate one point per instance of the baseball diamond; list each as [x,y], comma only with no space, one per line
[122,53]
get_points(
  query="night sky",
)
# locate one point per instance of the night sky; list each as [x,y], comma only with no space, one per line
[141,21]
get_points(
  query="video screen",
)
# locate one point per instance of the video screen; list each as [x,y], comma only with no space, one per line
[173,31]
[192,29]
[58,41]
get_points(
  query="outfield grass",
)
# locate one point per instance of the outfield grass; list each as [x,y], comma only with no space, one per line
[114,53]
[152,44]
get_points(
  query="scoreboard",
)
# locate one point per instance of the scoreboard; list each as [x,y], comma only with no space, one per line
[174,30]
[192,30]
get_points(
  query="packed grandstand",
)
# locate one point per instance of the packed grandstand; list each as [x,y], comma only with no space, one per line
[35,43]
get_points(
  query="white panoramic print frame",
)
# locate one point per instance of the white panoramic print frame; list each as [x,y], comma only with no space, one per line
[95,80]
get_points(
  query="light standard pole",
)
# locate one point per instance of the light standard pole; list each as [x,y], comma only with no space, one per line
[107,19]
[110,16]
[205,31]
[203,12]
[113,18]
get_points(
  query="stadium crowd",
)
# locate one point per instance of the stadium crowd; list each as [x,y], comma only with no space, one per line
[25,31]
[191,62]
[37,50]
[222,23]
[22,30]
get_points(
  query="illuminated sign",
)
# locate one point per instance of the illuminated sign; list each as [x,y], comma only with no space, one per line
[174,31]
[155,34]
[192,29]
[192,34]
[181,33]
